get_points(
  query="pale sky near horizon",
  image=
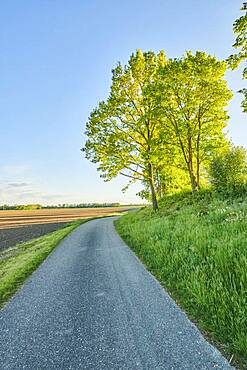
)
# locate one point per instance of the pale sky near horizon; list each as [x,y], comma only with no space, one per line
[55,66]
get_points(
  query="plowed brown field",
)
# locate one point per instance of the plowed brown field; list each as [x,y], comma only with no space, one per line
[10,219]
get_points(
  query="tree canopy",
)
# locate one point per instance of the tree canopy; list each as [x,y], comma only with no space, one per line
[192,95]
[240,29]
[162,121]
[122,131]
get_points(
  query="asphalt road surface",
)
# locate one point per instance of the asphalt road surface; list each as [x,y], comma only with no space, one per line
[92,305]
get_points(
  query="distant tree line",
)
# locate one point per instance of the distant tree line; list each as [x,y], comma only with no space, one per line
[20,207]
[64,205]
[84,205]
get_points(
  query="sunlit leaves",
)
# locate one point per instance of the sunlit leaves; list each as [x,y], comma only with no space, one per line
[240,29]
[162,121]
[122,131]
[192,95]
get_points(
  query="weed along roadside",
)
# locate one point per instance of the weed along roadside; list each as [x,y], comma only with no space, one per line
[196,247]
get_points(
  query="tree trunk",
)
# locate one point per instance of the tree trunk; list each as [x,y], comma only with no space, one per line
[198,166]
[190,168]
[152,188]
[198,177]
[198,154]
[194,185]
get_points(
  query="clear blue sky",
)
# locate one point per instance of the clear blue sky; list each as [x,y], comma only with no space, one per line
[55,65]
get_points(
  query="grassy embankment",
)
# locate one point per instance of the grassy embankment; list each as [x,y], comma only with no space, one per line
[17,263]
[196,246]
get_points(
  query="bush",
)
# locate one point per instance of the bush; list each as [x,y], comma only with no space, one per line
[228,170]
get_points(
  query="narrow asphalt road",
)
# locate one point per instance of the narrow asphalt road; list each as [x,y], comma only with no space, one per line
[92,305]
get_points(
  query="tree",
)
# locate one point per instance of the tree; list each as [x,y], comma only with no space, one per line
[168,180]
[191,95]
[228,170]
[162,120]
[122,131]
[240,29]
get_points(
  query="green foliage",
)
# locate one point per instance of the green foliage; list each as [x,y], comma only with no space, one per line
[196,247]
[28,207]
[228,170]
[192,95]
[171,179]
[122,131]
[168,180]
[118,129]
[240,29]
[161,122]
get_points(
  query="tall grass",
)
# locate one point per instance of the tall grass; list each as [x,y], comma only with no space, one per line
[197,247]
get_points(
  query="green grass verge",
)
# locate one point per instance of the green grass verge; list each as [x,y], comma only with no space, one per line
[196,246]
[17,263]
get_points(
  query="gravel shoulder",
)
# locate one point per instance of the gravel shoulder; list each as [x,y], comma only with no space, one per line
[11,237]
[93,305]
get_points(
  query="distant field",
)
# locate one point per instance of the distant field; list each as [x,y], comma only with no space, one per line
[13,219]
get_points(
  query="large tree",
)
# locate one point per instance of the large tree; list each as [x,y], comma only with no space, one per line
[240,29]
[191,96]
[123,135]
[162,119]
